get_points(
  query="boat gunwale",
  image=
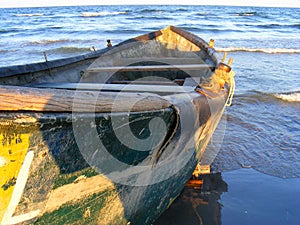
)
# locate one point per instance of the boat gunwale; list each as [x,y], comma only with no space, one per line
[62,100]
[15,70]
[42,66]
[20,98]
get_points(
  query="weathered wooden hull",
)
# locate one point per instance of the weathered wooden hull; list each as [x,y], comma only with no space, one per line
[60,179]
[82,156]
[62,188]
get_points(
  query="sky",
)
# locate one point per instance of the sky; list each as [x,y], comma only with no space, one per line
[37,3]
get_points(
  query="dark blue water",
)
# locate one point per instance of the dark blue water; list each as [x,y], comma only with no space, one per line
[262,128]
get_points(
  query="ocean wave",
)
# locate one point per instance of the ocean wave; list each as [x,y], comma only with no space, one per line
[191,28]
[257,96]
[9,30]
[150,17]
[5,50]
[68,50]
[99,14]
[277,25]
[201,13]
[48,42]
[264,50]
[122,31]
[29,14]
[181,10]
[152,11]
[246,14]
[289,97]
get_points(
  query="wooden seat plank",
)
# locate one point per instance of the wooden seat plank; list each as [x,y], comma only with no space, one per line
[151,68]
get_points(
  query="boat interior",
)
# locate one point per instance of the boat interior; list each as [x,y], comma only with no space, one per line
[162,58]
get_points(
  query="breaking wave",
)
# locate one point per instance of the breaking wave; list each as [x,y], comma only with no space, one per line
[263,50]
[246,14]
[46,42]
[257,96]
[68,50]
[56,42]
[289,97]
[29,14]
[99,14]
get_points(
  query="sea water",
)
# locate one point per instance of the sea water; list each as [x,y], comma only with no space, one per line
[259,153]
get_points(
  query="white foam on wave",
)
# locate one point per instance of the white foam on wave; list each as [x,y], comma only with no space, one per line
[96,14]
[45,41]
[264,50]
[245,14]
[290,97]
[29,14]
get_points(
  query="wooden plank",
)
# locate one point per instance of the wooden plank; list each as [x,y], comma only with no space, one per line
[176,82]
[118,87]
[15,98]
[151,68]
[129,61]
[170,83]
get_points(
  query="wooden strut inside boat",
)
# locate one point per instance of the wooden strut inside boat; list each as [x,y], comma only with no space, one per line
[152,68]
[118,87]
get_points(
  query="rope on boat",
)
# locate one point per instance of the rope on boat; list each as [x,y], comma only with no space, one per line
[223,75]
[232,88]
[226,75]
[230,78]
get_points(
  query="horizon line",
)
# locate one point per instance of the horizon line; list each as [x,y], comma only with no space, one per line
[49,6]
[143,4]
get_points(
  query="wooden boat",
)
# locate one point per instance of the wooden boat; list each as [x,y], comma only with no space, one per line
[110,137]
